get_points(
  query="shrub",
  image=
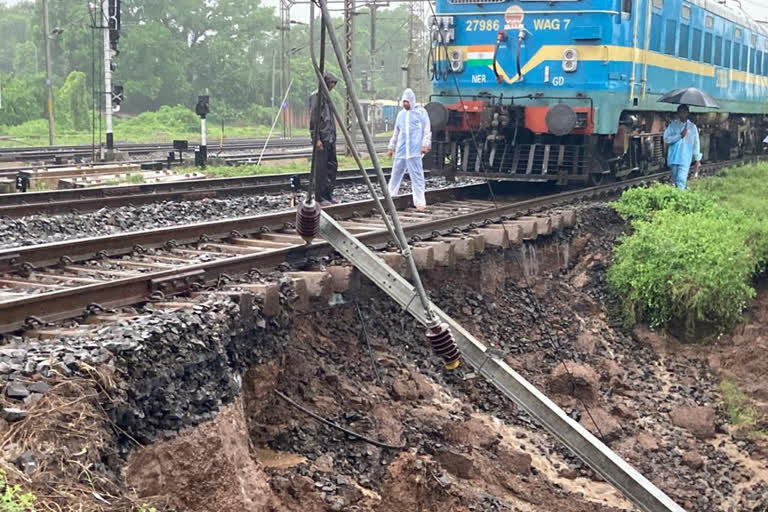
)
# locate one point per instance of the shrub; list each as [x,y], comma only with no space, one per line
[690,258]
[739,407]
[24,99]
[167,118]
[643,203]
[12,498]
[689,268]
[72,108]
[260,115]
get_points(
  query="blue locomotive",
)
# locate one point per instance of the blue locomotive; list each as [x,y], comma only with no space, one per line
[568,90]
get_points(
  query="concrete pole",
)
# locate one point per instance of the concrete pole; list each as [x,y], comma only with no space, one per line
[107,77]
[289,120]
[349,51]
[282,62]
[372,109]
[48,73]
[274,65]
[203,141]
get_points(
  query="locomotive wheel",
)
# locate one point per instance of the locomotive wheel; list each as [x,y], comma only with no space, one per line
[596,179]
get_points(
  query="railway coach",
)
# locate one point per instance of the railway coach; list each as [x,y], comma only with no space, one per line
[568,90]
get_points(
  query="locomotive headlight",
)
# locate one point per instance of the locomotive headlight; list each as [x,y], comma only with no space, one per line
[457,61]
[570,60]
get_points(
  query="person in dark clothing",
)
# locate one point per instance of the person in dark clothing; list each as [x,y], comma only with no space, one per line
[325,134]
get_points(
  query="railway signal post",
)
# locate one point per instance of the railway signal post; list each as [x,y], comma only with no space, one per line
[202,109]
[111,26]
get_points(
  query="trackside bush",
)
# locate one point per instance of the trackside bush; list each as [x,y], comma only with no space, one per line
[692,268]
[643,203]
[691,256]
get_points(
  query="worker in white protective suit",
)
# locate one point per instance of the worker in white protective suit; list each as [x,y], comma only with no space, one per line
[410,141]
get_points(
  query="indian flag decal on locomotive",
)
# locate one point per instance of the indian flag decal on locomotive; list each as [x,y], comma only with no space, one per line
[479,56]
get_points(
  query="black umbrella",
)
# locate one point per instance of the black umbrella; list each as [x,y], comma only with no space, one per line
[690,96]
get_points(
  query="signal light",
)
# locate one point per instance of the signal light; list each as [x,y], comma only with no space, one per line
[117,97]
[202,109]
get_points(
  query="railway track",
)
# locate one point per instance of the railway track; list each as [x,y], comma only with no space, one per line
[52,282]
[64,280]
[94,198]
[80,151]
[233,160]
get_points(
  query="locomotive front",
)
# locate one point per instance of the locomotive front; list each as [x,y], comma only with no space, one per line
[524,89]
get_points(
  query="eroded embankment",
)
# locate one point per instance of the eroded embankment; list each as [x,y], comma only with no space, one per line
[466,448]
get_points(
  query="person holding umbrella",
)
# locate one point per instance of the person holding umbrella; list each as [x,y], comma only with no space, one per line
[682,136]
[683,145]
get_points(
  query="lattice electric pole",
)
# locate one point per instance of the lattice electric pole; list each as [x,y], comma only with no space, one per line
[349,53]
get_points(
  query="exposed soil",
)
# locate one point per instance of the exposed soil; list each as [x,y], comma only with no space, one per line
[464,447]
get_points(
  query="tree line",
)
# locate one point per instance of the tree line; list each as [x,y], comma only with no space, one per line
[171,52]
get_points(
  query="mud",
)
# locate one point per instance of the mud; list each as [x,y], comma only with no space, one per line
[464,447]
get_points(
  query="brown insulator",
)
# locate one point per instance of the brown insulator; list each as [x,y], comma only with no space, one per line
[443,344]
[308,220]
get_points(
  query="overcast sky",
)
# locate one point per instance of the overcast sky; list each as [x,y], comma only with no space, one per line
[756,8]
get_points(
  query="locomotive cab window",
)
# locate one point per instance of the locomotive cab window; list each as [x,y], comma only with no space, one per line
[736,55]
[744,58]
[669,47]
[656,26]
[718,51]
[727,54]
[682,50]
[759,64]
[753,64]
[696,52]
[707,48]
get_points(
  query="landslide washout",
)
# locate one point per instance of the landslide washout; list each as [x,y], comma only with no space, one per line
[185,413]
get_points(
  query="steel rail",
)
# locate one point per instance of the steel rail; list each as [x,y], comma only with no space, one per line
[230,160]
[123,243]
[43,152]
[94,198]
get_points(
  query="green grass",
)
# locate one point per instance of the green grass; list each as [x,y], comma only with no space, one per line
[689,262]
[165,125]
[741,413]
[12,498]
[35,133]
[229,171]
[134,179]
